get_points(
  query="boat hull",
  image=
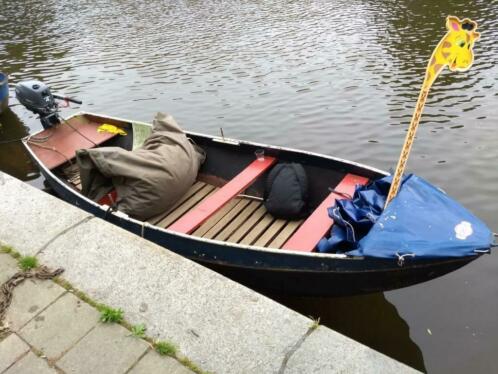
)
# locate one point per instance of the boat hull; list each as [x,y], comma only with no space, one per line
[277,272]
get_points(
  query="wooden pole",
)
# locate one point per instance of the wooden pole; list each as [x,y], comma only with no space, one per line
[405,152]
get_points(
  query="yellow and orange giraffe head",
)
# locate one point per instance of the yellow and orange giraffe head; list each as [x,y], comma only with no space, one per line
[454,49]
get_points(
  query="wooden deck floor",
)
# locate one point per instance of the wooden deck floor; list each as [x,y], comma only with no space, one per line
[242,220]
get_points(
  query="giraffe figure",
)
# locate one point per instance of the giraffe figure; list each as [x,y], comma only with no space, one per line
[455,51]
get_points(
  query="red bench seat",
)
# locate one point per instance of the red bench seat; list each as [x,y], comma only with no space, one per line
[319,223]
[197,216]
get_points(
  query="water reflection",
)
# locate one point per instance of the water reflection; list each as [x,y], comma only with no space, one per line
[13,157]
[32,40]
[369,319]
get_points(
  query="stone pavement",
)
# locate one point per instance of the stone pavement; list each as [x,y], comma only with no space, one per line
[53,331]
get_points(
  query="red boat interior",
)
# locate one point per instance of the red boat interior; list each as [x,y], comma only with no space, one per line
[56,146]
[214,207]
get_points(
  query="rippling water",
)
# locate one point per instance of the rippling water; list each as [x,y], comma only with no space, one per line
[338,77]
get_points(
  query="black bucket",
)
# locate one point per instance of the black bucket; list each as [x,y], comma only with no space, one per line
[4,91]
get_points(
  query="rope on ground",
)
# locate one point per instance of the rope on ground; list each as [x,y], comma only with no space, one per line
[8,287]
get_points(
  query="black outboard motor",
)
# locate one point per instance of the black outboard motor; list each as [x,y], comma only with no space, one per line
[37,98]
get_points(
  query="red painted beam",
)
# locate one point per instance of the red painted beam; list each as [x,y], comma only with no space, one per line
[319,223]
[196,217]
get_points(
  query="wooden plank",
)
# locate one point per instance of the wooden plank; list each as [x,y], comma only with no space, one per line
[247,225]
[226,219]
[71,169]
[191,191]
[73,176]
[319,223]
[285,234]
[238,221]
[257,230]
[206,226]
[64,140]
[270,232]
[75,181]
[186,206]
[189,222]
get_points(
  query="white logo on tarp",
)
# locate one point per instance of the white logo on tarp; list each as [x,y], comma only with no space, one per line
[463,230]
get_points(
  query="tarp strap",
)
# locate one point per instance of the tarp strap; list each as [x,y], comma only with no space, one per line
[401,258]
[343,194]
[494,245]
[348,224]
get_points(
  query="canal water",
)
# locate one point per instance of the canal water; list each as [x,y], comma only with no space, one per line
[337,77]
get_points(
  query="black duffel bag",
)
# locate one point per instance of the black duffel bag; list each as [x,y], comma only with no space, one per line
[286,191]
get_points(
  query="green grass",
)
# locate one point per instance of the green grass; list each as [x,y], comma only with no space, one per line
[186,362]
[315,323]
[28,262]
[110,315]
[138,330]
[165,348]
[9,250]
[81,295]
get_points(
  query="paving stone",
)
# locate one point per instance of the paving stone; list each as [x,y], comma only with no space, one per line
[107,349]
[154,363]
[220,325]
[62,324]
[41,217]
[30,298]
[11,348]
[326,351]
[8,267]
[31,364]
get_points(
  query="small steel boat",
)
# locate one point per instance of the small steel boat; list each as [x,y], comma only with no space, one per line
[222,223]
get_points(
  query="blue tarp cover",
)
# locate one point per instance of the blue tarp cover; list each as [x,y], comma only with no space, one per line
[420,222]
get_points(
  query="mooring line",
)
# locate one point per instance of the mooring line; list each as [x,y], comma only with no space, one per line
[7,289]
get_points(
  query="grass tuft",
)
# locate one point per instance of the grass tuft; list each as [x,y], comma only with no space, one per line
[81,295]
[9,250]
[110,315]
[28,262]
[138,330]
[315,323]
[165,348]
[189,364]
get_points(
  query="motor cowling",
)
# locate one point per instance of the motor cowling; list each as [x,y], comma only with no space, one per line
[37,98]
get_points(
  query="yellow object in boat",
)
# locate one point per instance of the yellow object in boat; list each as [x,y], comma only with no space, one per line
[105,127]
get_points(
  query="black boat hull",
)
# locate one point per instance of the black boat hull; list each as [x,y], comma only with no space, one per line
[279,272]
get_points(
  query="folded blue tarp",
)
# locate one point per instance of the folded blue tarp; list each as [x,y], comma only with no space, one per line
[420,222]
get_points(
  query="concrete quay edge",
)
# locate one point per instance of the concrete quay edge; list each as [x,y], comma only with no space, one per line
[220,325]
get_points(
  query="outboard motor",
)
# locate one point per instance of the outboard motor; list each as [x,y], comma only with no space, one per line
[37,98]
